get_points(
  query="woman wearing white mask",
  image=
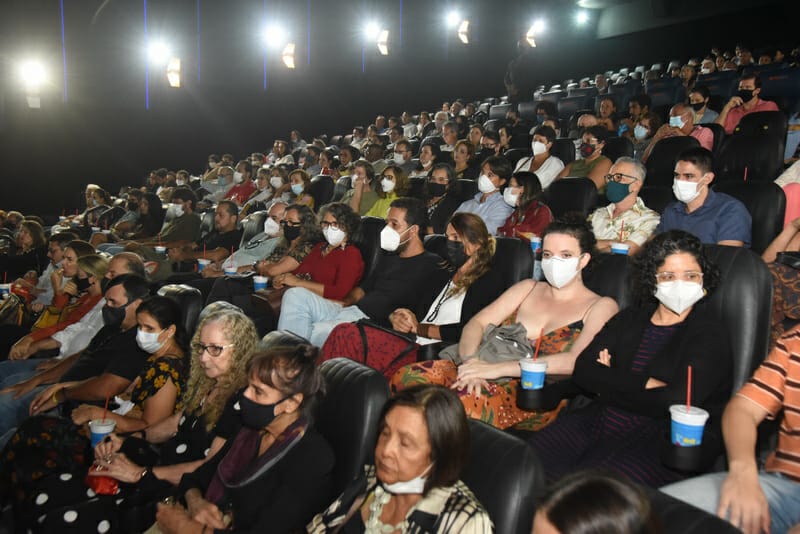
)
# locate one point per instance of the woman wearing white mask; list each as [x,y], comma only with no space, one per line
[643,133]
[263,193]
[542,163]
[300,185]
[333,267]
[636,368]
[488,203]
[392,184]
[429,154]
[422,448]
[565,311]
[530,216]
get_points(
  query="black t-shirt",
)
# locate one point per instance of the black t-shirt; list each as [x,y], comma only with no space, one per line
[395,283]
[110,351]
[228,240]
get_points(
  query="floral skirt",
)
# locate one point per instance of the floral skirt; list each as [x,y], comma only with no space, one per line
[497,404]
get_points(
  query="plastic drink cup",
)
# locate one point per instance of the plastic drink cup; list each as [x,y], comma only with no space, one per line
[536,244]
[533,372]
[260,282]
[229,269]
[106,231]
[62,217]
[5,289]
[687,426]
[96,229]
[160,249]
[202,263]
[100,428]
[619,248]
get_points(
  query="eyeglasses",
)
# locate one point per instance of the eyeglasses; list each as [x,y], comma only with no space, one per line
[619,178]
[686,276]
[326,224]
[287,222]
[213,350]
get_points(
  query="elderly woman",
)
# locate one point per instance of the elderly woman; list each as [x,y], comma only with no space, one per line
[392,184]
[441,196]
[593,164]
[423,445]
[561,315]
[30,253]
[530,216]
[464,160]
[331,269]
[635,368]
[151,462]
[449,302]
[276,472]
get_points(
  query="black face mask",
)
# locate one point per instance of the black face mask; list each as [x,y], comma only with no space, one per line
[113,316]
[745,94]
[82,284]
[697,106]
[586,150]
[133,206]
[256,415]
[456,254]
[291,232]
[437,190]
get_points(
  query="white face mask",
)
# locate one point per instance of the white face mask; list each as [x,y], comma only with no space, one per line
[175,209]
[297,188]
[353,180]
[148,341]
[387,185]
[398,158]
[275,182]
[676,122]
[679,295]
[485,185]
[510,198]
[685,191]
[390,238]
[180,182]
[334,236]
[238,177]
[271,228]
[409,487]
[560,271]
[212,164]
[538,148]
[640,132]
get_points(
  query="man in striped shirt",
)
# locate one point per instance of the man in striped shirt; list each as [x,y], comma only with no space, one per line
[754,499]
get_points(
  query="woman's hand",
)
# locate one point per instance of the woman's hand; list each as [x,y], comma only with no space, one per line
[119,467]
[57,278]
[70,288]
[277,281]
[404,320]
[85,413]
[289,280]
[472,385]
[21,349]
[202,511]
[107,447]
[604,358]
[173,519]
[44,401]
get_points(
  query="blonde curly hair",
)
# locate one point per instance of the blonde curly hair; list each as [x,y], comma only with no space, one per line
[240,331]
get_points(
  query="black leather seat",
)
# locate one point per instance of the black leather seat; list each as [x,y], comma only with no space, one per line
[564,149]
[433,140]
[719,136]
[206,223]
[349,416]
[527,110]
[608,275]
[110,217]
[252,225]
[469,188]
[721,84]
[743,301]
[505,475]
[661,163]
[567,106]
[571,194]
[190,301]
[773,124]
[656,197]
[617,147]
[498,111]
[751,158]
[766,203]
[321,190]
[368,241]
[515,154]
[341,187]
[416,186]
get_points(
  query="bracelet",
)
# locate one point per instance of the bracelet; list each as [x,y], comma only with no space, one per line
[55,396]
[143,473]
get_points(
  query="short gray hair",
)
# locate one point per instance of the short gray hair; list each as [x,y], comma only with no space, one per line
[638,168]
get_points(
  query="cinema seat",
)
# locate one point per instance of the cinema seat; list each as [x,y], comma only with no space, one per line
[661,163]
[571,195]
[190,301]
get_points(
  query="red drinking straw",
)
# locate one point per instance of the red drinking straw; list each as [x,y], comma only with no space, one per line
[538,344]
[745,174]
[159,238]
[204,250]
[689,389]
[621,230]
[105,409]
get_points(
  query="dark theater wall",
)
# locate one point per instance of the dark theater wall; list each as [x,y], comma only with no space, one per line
[103,133]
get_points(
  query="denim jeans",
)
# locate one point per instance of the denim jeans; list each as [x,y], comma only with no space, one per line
[312,317]
[783,496]
[15,371]
[14,411]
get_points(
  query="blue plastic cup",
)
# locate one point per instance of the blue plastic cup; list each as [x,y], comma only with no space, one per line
[260,282]
[687,425]
[619,248]
[100,428]
[533,373]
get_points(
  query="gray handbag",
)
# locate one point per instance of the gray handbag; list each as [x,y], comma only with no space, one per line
[499,344]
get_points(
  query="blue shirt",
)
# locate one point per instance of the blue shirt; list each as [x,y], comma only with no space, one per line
[720,218]
[494,211]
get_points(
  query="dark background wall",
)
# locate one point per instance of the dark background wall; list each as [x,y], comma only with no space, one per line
[104,134]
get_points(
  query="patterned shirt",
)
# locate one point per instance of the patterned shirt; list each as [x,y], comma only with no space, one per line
[639,223]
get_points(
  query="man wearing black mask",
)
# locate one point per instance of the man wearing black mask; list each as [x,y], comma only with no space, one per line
[744,102]
[104,369]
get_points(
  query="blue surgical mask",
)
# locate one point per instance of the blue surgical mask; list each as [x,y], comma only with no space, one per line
[676,122]
[640,132]
[297,188]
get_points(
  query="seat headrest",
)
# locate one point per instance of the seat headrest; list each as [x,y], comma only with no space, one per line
[281,338]
[190,300]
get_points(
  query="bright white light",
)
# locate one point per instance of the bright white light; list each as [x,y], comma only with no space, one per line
[463,31]
[538,26]
[581,18]
[288,56]
[275,36]
[383,42]
[372,30]
[453,18]
[158,52]
[174,72]
[32,74]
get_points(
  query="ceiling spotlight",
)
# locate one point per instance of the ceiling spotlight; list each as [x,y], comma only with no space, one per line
[288,56]
[383,42]
[274,36]
[452,19]
[581,17]
[32,74]
[174,72]
[158,53]
[463,31]
[372,30]
[538,26]
[530,38]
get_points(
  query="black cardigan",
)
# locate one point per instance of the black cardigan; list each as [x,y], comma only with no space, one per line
[443,211]
[480,294]
[700,341]
[286,497]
